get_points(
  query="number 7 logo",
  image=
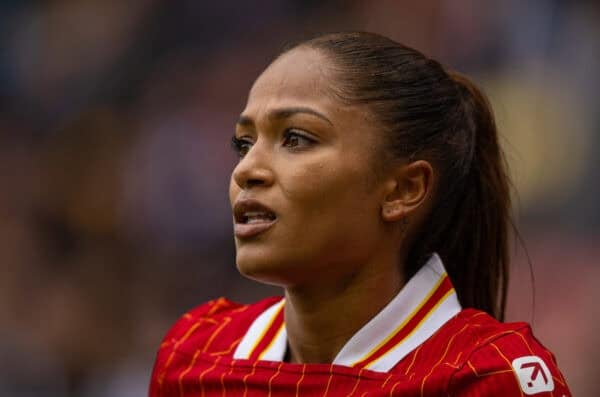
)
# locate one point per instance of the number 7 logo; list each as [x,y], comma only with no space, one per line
[533,374]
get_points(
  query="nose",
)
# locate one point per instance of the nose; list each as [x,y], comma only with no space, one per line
[255,168]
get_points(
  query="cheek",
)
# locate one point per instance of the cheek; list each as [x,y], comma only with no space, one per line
[333,219]
[234,190]
[311,186]
[331,195]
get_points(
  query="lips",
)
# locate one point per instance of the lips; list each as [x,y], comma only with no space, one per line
[252,218]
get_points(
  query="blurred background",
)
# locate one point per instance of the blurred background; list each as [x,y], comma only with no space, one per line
[115,121]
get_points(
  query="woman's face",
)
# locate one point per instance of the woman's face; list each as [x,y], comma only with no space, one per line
[305,198]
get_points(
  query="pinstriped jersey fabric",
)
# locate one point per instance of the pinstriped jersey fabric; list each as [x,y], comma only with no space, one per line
[419,345]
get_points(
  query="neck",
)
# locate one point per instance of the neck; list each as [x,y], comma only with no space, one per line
[321,318]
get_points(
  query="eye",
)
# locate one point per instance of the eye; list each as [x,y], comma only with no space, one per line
[241,145]
[297,139]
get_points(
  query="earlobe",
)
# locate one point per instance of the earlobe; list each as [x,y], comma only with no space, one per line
[392,211]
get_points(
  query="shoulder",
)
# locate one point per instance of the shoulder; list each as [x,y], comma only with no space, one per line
[215,327]
[503,359]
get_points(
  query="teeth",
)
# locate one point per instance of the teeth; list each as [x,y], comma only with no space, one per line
[255,220]
[257,217]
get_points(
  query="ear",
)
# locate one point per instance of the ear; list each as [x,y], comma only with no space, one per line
[407,190]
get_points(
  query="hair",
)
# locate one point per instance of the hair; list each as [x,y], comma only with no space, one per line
[439,116]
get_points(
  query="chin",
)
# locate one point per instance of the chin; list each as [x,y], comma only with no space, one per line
[264,269]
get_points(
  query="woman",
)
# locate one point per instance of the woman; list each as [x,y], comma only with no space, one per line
[372,188]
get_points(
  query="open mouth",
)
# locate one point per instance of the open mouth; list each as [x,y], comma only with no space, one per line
[252,218]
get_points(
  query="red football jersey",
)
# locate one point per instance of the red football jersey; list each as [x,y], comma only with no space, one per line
[421,344]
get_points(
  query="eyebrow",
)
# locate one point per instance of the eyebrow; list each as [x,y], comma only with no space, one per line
[284,113]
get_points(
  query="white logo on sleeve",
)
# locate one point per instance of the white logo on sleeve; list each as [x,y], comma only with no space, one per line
[533,374]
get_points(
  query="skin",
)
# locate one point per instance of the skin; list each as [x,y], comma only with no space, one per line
[339,241]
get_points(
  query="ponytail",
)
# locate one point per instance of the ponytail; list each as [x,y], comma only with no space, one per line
[472,239]
[428,113]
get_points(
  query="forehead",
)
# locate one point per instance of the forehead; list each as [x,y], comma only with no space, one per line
[299,76]
[304,77]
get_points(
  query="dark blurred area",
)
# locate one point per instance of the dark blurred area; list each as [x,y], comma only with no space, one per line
[115,120]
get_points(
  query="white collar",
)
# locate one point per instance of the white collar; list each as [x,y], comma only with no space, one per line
[421,307]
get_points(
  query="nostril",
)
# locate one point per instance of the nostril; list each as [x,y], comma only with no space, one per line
[254,182]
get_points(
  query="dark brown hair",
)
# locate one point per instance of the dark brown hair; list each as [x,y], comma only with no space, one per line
[442,117]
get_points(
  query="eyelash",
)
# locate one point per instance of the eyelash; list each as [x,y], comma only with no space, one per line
[238,145]
[293,132]
[242,145]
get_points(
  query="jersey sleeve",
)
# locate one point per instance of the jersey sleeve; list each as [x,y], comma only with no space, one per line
[176,335]
[512,364]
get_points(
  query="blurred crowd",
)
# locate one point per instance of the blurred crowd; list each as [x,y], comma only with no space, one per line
[115,121]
